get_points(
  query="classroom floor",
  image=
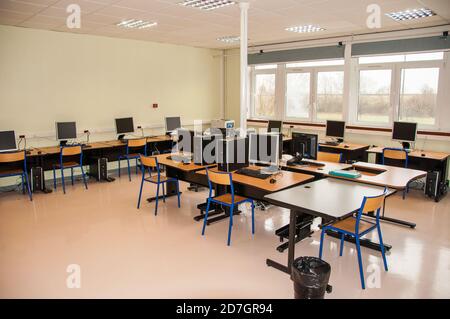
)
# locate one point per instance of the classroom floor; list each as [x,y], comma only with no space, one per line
[128,253]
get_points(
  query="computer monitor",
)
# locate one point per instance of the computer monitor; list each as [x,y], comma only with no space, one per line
[305,145]
[404,132]
[124,125]
[173,123]
[66,131]
[7,141]
[232,153]
[335,129]
[275,126]
[264,148]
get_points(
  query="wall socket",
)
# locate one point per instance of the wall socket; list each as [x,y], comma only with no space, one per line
[155,105]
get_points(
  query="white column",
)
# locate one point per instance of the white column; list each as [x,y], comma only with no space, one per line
[244,65]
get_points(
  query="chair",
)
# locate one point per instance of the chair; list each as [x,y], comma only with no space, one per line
[12,157]
[399,155]
[329,157]
[357,228]
[133,144]
[150,164]
[230,199]
[64,152]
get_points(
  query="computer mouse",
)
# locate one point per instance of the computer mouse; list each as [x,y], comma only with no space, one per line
[273,181]
[346,146]
[423,154]
[39,152]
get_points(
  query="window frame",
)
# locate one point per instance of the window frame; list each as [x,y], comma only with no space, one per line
[396,69]
[351,69]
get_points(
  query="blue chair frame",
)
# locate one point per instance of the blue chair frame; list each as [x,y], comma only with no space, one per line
[148,164]
[406,190]
[63,166]
[357,235]
[12,157]
[128,157]
[231,205]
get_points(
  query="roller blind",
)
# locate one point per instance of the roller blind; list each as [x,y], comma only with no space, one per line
[401,46]
[318,53]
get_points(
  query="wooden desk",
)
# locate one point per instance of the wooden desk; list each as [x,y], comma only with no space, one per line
[318,168]
[349,151]
[383,175]
[438,156]
[328,198]
[191,167]
[430,161]
[284,179]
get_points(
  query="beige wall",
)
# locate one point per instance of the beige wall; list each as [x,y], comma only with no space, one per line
[53,76]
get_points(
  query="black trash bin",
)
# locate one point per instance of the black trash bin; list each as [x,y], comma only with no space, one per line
[310,276]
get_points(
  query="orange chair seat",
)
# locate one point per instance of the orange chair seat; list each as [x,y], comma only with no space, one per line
[226,198]
[67,164]
[134,155]
[154,179]
[349,224]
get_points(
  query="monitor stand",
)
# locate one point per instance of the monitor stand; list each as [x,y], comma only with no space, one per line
[121,137]
[63,143]
[406,145]
[340,140]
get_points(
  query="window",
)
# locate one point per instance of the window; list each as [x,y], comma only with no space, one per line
[264,95]
[330,95]
[298,95]
[418,94]
[374,96]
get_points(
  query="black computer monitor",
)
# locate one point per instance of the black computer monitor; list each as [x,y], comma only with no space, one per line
[173,123]
[7,141]
[264,148]
[66,131]
[124,125]
[305,145]
[404,131]
[275,126]
[232,153]
[335,129]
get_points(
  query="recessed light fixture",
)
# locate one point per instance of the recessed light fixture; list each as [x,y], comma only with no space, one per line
[207,5]
[411,14]
[229,39]
[305,28]
[136,24]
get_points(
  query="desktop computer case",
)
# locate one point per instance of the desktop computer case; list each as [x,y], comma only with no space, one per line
[99,169]
[432,184]
[37,179]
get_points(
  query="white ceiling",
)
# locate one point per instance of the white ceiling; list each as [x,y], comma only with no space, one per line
[189,26]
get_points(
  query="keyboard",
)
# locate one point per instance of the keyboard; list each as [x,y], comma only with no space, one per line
[253,173]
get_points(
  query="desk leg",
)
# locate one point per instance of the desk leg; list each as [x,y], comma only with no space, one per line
[220,212]
[291,249]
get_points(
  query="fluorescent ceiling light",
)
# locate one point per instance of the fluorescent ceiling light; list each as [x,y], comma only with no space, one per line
[305,28]
[207,5]
[229,39]
[411,14]
[136,24]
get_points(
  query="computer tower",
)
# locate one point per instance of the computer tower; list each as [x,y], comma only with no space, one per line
[37,179]
[432,184]
[99,169]
[232,154]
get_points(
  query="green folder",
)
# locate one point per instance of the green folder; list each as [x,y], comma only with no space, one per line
[346,174]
